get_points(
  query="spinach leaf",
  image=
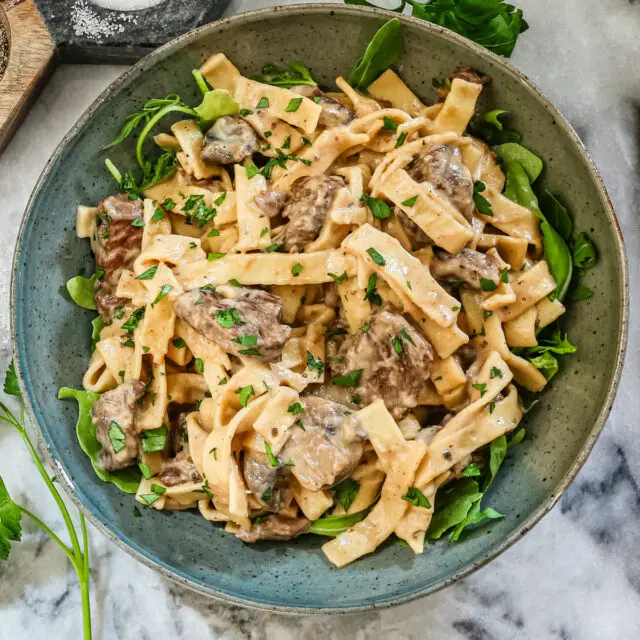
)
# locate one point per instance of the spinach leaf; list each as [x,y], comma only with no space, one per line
[547,363]
[514,152]
[557,215]
[584,252]
[453,503]
[333,526]
[346,492]
[214,105]
[490,128]
[295,75]
[126,480]
[81,291]
[10,522]
[385,48]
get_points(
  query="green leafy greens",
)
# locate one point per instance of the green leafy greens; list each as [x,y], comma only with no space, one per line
[11,513]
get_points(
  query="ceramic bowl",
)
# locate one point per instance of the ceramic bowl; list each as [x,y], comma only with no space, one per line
[52,336]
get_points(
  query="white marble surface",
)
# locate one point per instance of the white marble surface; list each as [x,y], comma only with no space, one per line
[576,576]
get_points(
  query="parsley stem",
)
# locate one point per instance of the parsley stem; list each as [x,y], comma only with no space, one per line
[200,81]
[51,534]
[176,106]
[85,581]
[56,496]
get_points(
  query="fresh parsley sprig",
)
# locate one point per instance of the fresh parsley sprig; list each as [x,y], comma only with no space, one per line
[11,513]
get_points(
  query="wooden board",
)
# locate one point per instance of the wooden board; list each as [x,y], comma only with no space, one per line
[31,60]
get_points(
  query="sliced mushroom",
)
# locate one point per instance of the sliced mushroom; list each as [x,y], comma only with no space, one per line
[272,486]
[334,114]
[275,527]
[229,141]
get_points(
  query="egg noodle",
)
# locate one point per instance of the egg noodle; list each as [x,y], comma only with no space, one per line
[346,353]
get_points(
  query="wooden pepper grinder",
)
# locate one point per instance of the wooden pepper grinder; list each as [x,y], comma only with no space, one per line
[27,57]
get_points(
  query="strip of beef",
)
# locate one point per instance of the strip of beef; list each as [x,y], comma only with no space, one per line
[310,201]
[328,446]
[117,245]
[334,114]
[393,358]
[418,237]
[271,202]
[471,75]
[229,141]
[114,417]
[442,166]
[270,485]
[244,322]
[276,527]
[179,469]
[466,266]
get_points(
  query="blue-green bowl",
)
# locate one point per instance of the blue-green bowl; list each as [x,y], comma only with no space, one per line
[52,336]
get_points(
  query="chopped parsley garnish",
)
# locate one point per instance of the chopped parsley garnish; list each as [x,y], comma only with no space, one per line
[314,363]
[116,437]
[208,287]
[455,308]
[401,138]
[263,103]
[178,343]
[266,496]
[245,112]
[405,334]
[296,269]
[245,393]
[371,293]
[317,99]
[198,365]
[271,248]
[138,222]
[488,285]
[481,387]
[487,314]
[398,347]
[365,327]
[227,318]
[162,293]
[214,233]
[273,461]
[376,257]
[134,320]
[169,204]
[495,373]
[235,282]
[504,275]
[379,208]
[223,381]
[264,232]
[389,124]
[154,439]
[492,406]
[306,142]
[205,489]
[338,279]
[191,202]
[156,490]
[148,274]
[267,134]
[287,143]
[351,379]
[145,469]
[409,202]
[482,204]
[157,214]
[215,256]
[415,497]
[193,245]
[247,341]
[295,408]
[251,170]
[214,453]
[346,492]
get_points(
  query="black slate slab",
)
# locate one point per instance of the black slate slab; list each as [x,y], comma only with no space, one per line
[100,31]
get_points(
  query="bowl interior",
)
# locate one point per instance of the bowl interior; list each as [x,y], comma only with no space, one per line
[53,336]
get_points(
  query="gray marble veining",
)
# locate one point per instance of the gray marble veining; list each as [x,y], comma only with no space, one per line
[575,576]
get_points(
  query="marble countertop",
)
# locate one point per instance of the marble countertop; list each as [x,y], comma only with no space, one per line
[575,576]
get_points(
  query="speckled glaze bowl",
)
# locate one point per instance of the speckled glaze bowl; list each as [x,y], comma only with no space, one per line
[52,336]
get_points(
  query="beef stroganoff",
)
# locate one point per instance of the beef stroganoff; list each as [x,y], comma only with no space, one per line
[316,320]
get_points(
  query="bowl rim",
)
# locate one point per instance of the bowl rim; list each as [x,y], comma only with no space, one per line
[249,17]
